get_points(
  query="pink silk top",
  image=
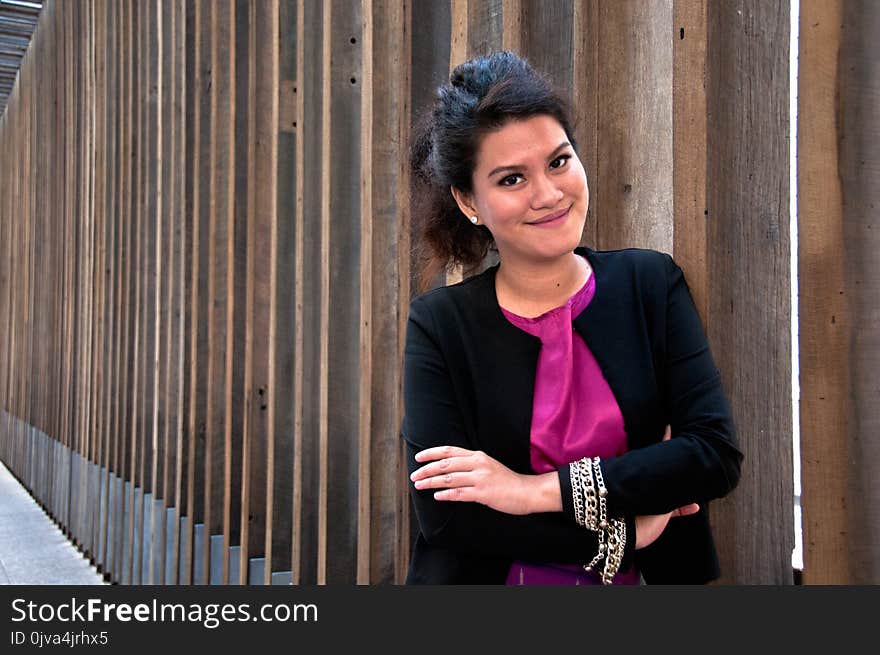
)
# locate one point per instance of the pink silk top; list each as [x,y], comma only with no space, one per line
[574,415]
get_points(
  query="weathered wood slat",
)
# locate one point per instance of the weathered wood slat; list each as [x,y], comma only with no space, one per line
[838,196]
[635,125]
[749,308]
[341,293]
[386,181]
[689,146]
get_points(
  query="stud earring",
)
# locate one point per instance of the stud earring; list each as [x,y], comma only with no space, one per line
[474,219]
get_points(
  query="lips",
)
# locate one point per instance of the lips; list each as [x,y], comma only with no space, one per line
[551,219]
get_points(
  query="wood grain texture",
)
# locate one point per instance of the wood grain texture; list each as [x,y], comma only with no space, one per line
[748,321]
[341,304]
[689,146]
[389,93]
[839,350]
[635,126]
[307,564]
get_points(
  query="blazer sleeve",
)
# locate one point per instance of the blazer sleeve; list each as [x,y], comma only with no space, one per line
[702,459]
[433,417]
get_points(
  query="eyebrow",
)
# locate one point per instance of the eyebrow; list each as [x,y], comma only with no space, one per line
[515,167]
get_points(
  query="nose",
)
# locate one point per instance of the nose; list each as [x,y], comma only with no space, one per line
[545,192]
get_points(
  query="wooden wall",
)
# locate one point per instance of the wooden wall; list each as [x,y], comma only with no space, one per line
[205,259]
[839,270]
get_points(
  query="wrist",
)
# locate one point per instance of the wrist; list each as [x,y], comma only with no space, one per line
[544,494]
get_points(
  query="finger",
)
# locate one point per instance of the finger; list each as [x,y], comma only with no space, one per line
[439,467]
[445,481]
[667,435]
[456,494]
[687,510]
[439,452]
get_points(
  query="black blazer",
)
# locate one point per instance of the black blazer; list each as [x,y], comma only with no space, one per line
[469,381]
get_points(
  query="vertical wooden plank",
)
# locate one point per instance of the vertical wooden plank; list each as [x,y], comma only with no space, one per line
[341,295]
[459,51]
[245,114]
[512,25]
[111,55]
[201,275]
[838,295]
[88,274]
[152,189]
[312,216]
[193,302]
[403,527]
[270,403]
[161,22]
[635,126]
[548,39]
[245,214]
[315,217]
[286,288]
[299,454]
[166,245]
[99,166]
[136,382]
[390,114]
[5,305]
[178,340]
[125,297]
[485,27]
[689,147]
[69,286]
[748,261]
[220,243]
[438,29]
[142,405]
[365,323]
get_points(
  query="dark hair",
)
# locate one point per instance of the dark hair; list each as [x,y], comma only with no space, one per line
[482,95]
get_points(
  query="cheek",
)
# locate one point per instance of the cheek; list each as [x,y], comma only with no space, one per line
[577,181]
[505,207]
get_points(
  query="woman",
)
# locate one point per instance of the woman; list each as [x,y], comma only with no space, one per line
[564,419]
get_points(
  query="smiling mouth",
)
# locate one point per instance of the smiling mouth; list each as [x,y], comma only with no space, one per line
[551,218]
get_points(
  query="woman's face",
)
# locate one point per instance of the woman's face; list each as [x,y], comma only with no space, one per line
[529,190]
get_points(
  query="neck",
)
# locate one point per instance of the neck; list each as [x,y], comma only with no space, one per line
[531,288]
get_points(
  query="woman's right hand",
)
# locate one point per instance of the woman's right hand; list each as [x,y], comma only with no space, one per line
[649,527]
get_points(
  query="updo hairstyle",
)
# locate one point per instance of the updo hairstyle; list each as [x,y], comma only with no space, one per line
[482,95]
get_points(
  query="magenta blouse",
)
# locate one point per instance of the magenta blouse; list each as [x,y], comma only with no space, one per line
[574,415]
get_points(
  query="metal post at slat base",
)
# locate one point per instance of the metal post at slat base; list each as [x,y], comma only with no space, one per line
[127,511]
[216,554]
[256,570]
[234,569]
[170,522]
[160,520]
[198,558]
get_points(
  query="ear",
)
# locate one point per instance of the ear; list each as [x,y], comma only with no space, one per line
[465,202]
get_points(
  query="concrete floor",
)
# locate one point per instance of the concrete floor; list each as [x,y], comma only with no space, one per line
[33,551]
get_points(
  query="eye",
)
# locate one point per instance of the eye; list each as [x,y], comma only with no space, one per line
[560,161]
[510,180]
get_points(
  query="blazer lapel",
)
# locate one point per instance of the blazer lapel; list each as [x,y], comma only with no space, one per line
[507,360]
[611,341]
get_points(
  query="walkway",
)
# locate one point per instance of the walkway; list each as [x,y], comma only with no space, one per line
[33,551]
